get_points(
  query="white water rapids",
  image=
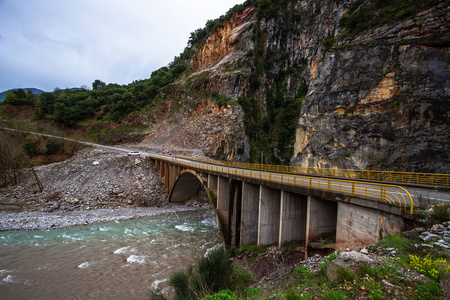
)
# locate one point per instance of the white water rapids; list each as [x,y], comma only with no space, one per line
[121,260]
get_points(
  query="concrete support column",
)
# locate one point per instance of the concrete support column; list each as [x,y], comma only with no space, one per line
[293,217]
[223,206]
[223,194]
[161,169]
[359,226]
[269,216]
[166,175]
[249,213]
[212,182]
[235,212]
[321,218]
[171,174]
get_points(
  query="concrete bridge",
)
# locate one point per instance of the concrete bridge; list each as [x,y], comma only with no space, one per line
[260,207]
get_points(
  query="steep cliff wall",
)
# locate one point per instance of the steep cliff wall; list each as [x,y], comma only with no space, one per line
[381,99]
[374,98]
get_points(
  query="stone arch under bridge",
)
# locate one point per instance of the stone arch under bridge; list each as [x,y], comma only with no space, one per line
[186,185]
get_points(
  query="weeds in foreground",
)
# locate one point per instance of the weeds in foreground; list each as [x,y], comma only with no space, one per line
[213,274]
[433,268]
[387,278]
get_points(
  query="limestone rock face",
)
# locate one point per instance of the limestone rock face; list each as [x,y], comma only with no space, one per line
[224,40]
[381,102]
[378,99]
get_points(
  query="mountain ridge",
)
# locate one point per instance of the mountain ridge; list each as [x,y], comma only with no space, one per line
[33,90]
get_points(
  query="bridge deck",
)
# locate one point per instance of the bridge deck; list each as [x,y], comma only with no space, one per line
[392,194]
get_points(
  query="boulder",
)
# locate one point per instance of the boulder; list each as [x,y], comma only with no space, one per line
[348,260]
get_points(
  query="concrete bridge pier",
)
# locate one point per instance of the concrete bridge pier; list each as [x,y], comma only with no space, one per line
[320,219]
[293,216]
[249,214]
[223,207]
[269,216]
[253,211]
[358,226]
[235,212]
[212,182]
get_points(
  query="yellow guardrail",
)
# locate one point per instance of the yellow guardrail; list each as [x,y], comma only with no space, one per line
[381,192]
[391,176]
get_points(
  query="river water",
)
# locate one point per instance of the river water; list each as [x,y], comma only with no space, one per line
[119,260]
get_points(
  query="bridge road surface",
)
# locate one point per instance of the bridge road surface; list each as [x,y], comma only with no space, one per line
[296,179]
[393,194]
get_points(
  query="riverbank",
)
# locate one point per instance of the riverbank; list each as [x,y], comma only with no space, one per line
[39,220]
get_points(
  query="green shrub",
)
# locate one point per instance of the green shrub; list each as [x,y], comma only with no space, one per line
[324,265]
[376,294]
[293,295]
[181,284]
[428,290]
[222,295]
[344,274]
[251,292]
[441,213]
[210,275]
[334,295]
[301,271]
[52,147]
[240,277]
[250,250]
[31,148]
[328,43]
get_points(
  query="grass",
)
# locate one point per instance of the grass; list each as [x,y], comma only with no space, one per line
[387,278]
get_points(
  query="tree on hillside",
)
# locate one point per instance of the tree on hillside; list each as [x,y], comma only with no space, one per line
[98,84]
[10,98]
[12,160]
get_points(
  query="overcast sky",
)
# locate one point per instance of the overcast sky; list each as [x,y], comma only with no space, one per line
[69,43]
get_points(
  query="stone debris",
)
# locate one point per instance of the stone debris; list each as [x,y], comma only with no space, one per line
[91,179]
[439,235]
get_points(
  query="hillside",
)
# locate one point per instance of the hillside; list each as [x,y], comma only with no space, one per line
[348,84]
[33,90]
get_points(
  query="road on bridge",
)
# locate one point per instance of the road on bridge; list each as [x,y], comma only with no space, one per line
[394,194]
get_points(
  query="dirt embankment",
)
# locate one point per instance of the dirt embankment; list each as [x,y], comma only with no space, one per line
[91,179]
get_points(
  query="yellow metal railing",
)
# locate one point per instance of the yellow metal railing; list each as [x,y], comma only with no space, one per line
[381,192]
[390,176]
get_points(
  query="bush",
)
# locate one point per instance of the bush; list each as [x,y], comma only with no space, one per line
[210,275]
[428,290]
[222,295]
[181,284]
[324,265]
[240,277]
[52,147]
[31,148]
[214,270]
[441,213]
[344,275]
[250,293]
[334,295]
[432,268]
[301,271]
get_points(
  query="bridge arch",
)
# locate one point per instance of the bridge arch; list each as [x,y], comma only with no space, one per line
[187,185]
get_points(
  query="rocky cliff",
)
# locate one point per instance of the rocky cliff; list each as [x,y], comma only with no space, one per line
[381,99]
[309,91]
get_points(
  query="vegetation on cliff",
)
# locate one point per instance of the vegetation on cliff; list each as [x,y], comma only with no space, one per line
[366,14]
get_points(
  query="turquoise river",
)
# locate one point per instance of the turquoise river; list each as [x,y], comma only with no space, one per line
[119,260]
